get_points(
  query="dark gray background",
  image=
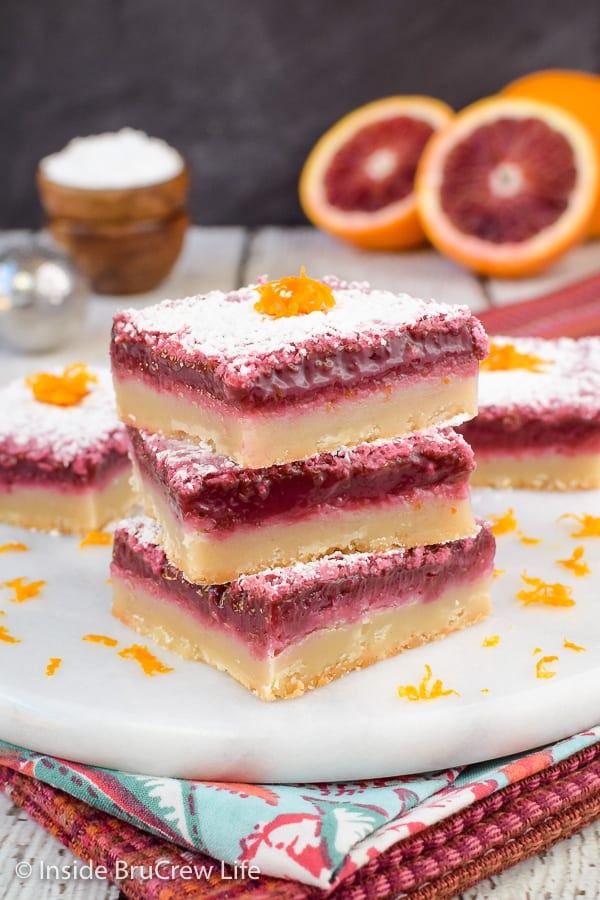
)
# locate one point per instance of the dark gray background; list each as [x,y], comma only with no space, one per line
[244,87]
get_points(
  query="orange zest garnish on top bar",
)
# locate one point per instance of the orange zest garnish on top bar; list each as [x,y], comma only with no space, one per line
[67,389]
[575,563]
[96,539]
[7,637]
[13,547]
[503,357]
[424,691]
[53,665]
[100,639]
[503,524]
[23,590]
[590,525]
[556,594]
[569,645]
[540,667]
[149,663]
[294,296]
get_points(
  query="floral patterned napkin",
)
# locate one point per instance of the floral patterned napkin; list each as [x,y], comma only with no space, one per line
[317,834]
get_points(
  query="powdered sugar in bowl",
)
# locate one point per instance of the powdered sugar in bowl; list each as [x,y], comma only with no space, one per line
[116,202]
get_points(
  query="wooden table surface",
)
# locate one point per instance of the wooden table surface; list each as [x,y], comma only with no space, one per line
[226,258]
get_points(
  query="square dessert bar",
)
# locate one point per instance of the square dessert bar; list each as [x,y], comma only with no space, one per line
[285,631]
[266,389]
[220,520]
[62,467]
[539,415]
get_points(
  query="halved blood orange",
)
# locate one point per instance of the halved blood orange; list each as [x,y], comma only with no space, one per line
[577,93]
[358,181]
[508,186]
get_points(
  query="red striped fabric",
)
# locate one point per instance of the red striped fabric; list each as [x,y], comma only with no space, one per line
[570,311]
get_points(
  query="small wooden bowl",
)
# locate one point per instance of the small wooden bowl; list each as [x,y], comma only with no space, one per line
[123,257]
[152,201]
[126,240]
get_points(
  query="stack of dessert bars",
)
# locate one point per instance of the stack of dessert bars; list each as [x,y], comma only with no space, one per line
[307,502]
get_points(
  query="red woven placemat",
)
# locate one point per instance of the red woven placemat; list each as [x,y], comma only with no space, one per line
[438,863]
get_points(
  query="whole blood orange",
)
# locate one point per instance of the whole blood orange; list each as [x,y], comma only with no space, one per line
[576,92]
[508,186]
[358,181]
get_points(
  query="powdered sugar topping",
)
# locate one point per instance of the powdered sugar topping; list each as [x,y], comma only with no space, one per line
[185,464]
[36,430]
[227,332]
[570,379]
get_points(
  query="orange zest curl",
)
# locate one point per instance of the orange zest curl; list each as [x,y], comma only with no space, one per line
[13,547]
[424,691]
[540,667]
[503,524]
[498,573]
[575,563]
[492,641]
[96,539]
[503,357]
[100,639]
[294,296]
[67,389]
[149,663]
[23,590]
[569,645]
[590,525]
[556,594]
[528,540]
[53,665]
[7,637]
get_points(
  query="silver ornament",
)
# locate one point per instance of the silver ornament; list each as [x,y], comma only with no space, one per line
[43,297]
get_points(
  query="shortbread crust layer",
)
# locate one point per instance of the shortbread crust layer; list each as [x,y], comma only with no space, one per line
[538,471]
[49,508]
[321,657]
[341,612]
[277,436]
[421,517]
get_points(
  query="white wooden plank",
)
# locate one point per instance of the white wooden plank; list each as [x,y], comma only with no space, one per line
[210,259]
[282,251]
[23,842]
[577,264]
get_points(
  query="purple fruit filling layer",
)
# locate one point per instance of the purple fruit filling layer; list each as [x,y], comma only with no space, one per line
[220,345]
[222,495]
[513,433]
[277,607]
[86,471]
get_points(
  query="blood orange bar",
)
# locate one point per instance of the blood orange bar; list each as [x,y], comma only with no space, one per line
[265,389]
[220,520]
[284,631]
[62,467]
[539,415]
